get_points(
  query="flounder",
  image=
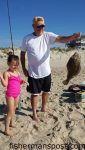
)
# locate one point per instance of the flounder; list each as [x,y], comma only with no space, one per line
[73,67]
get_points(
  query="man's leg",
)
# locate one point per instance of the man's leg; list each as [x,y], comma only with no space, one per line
[45,96]
[34,99]
[46,89]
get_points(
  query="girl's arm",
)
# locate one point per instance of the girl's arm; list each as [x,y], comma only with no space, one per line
[4,79]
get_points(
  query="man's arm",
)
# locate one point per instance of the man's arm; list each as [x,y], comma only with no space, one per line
[65,39]
[22,58]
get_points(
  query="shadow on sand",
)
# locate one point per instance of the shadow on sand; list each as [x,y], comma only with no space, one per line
[3,111]
[69,97]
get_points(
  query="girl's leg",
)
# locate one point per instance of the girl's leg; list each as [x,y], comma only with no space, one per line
[16,100]
[10,113]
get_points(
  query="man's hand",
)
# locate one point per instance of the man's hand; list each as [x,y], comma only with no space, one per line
[23,82]
[76,35]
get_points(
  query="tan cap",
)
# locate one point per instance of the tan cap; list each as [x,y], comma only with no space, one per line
[38,21]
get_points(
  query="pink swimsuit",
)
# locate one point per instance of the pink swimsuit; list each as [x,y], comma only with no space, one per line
[13,88]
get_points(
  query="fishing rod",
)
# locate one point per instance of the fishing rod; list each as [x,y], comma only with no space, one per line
[10,27]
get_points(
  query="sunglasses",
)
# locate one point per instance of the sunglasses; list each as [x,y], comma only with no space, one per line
[41,26]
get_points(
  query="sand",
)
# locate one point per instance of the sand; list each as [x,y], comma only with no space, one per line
[62,127]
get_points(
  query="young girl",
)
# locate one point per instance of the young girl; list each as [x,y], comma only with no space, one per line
[11,79]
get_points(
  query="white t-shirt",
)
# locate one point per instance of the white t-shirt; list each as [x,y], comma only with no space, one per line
[38,52]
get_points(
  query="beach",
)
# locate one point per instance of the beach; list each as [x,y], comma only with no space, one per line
[62,126]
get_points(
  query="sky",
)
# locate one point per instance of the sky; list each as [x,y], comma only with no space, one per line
[63,17]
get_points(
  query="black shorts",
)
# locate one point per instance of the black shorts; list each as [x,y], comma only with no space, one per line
[37,85]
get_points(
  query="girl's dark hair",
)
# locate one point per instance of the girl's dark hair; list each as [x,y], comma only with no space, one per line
[12,57]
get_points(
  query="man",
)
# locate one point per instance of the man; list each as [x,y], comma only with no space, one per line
[37,45]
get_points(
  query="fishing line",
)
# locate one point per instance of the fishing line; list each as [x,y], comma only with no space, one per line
[10,27]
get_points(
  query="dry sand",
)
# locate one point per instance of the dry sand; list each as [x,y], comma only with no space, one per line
[64,124]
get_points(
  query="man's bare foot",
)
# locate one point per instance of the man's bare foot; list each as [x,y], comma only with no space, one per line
[35,118]
[8,133]
[45,109]
[13,124]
